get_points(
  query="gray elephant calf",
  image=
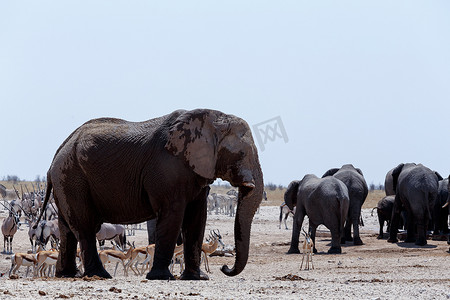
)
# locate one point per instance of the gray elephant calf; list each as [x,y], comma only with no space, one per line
[325,201]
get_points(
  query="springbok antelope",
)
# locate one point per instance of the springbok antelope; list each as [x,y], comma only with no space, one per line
[139,254]
[45,259]
[116,256]
[22,259]
[178,255]
[79,261]
[308,246]
[207,248]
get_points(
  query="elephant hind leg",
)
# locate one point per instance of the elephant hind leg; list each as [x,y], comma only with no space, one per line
[296,227]
[193,232]
[381,222]
[92,263]
[66,264]
[167,232]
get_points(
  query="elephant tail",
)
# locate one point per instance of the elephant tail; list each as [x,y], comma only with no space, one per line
[429,197]
[281,212]
[47,197]
[342,211]
[371,213]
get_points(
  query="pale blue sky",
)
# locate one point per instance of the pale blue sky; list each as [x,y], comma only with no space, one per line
[362,82]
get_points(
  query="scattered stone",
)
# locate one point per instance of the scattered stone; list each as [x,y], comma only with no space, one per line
[289,277]
[42,293]
[93,278]
[115,290]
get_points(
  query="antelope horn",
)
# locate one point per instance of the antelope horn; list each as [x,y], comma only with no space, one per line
[9,209]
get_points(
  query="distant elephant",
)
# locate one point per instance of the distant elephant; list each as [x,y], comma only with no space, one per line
[325,201]
[440,213]
[120,172]
[416,188]
[353,178]
[389,184]
[384,212]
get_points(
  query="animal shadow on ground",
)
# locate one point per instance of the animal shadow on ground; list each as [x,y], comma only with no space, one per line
[414,246]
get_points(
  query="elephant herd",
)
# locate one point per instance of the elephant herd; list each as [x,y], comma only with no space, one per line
[120,172]
[416,196]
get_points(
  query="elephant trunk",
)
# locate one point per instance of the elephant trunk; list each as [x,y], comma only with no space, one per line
[249,199]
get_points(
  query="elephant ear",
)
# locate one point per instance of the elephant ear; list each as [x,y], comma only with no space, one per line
[359,171]
[395,173]
[192,136]
[290,196]
[330,172]
[438,176]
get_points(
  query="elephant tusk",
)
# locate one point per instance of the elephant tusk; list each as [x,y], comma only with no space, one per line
[249,185]
[445,205]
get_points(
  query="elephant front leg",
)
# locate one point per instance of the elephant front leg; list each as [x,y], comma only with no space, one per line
[66,265]
[167,230]
[394,221]
[92,264]
[193,232]
[410,229]
[297,225]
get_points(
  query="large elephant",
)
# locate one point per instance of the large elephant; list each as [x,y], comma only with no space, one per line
[120,172]
[440,213]
[416,188]
[389,184]
[353,178]
[324,201]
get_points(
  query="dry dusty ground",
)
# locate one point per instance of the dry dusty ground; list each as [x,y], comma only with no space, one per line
[376,270]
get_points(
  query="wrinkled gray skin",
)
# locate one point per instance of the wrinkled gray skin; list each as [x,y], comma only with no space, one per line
[120,172]
[325,201]
[353,178]
[389,184]
[439,222]
[440,213]
[416,188]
